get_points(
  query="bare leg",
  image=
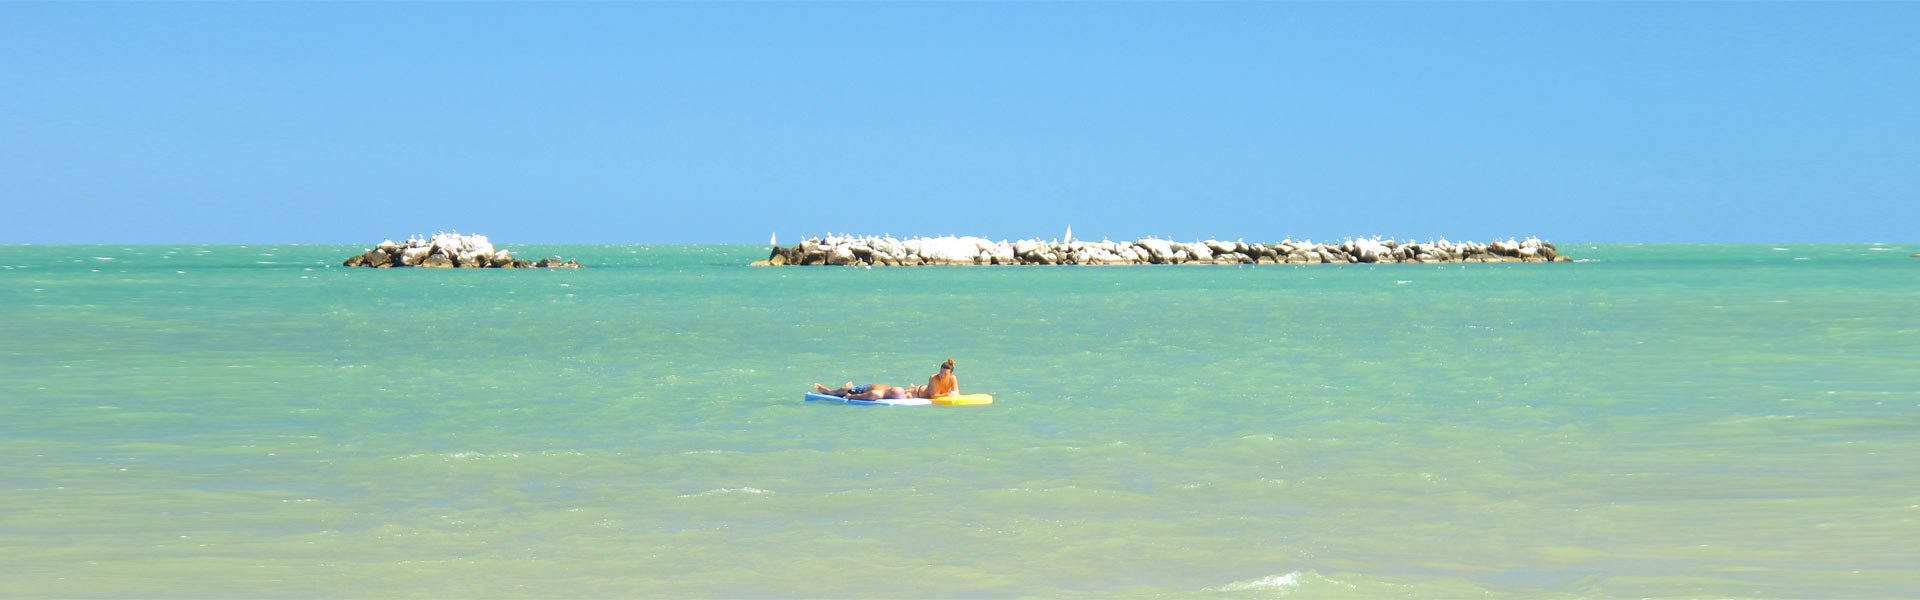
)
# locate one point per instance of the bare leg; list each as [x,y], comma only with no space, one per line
[842,392]
[876,392]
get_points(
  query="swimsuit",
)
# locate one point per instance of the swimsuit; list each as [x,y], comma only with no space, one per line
[860,389]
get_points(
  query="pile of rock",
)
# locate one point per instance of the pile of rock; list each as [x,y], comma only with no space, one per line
[449,250]
[886,251]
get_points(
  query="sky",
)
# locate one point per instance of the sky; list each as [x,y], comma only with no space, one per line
[642,122]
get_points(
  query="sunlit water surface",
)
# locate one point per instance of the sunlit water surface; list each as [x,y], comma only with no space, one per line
[1659,421]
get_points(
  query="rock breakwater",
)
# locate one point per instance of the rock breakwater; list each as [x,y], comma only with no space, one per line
[943,251]
[449,250]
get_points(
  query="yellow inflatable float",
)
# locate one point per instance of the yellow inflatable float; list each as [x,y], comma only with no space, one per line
[964,399]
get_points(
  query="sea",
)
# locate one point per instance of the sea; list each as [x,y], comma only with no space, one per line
[1654,421]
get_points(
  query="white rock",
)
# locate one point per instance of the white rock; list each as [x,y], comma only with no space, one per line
[446,244]
[476,244]
[841,255]
[948,249]
[1157,250]
[1200,251]
[414,255]
[1368,250]
[1001,253]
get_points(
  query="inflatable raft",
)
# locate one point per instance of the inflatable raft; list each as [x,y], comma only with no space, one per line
[964,399]
[813,397]
[959,400]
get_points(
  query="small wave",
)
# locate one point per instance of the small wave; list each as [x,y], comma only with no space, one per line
[458,455]
[1067,448]
[738,490]
[1270,582]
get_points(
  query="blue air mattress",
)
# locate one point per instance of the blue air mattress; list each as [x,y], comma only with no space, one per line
[812,397]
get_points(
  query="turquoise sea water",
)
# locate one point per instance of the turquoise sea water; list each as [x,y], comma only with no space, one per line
[1661,421]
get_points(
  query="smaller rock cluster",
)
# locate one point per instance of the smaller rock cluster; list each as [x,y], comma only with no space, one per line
[449,250]
[886,251]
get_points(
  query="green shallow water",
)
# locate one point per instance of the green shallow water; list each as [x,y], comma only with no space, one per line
[1662,421]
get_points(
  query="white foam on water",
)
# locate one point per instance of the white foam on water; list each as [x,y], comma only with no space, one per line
[458,455]
[738,490]
[1270,582]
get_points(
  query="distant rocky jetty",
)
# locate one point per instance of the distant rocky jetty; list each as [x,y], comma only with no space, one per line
[886,251]
[450,250]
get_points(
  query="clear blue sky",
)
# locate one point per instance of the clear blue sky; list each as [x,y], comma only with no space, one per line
[723,123]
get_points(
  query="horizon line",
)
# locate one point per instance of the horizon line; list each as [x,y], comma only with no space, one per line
[767,245]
